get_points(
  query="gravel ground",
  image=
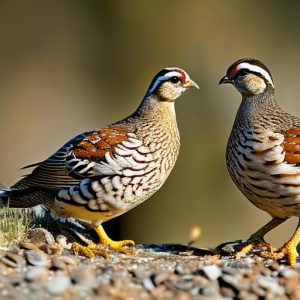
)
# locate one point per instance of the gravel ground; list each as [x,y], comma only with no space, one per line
[45,268]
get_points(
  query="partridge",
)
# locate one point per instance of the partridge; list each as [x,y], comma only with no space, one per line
[101,174]
[263,154]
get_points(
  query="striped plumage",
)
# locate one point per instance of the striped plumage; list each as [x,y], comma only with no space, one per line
[263,151]
[101,174]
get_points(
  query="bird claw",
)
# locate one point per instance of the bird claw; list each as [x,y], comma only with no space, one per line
[288,250]
[126,246]
[90,251]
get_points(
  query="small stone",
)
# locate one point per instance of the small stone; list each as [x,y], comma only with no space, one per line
[209,290]
[211,272]
[185,284]
[62,241]
[68,260]
[148,284]
[181,269]
[58,284]
[28,246]
[84,275]
[236,283]
[227,292]
[53,249]
[13,260]
[37,274]
[160,278]
[270,284]
[37,258]
[40,236]
[58,263]
[8,262]
[290,279]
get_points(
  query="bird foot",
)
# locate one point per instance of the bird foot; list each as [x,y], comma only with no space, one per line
[91,250]
[126,246]
[288,250]
[259,245]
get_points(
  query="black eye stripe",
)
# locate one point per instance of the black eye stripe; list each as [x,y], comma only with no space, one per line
[243,72]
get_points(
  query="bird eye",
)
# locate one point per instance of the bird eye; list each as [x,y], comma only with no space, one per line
[242,72]
[174,79]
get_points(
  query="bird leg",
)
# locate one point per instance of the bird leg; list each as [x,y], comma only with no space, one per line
[92,249]
[257,238]
[289,249]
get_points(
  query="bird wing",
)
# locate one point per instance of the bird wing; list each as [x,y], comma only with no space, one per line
[291,145]
[95,154]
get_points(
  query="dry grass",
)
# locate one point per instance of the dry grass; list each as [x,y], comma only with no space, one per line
[14,225]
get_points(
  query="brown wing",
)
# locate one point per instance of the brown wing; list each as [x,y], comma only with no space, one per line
[75,160]
[95,146]
[291,145]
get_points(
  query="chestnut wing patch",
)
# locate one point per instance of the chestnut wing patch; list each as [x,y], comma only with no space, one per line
[95,146]
[103,153]
[291,145]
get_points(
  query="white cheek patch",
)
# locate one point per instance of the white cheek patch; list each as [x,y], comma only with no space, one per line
[256,69]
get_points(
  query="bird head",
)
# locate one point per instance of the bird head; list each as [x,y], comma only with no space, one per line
[249,76]
[169,84]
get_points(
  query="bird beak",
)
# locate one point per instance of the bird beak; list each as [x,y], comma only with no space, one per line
[225,79]
[191,83]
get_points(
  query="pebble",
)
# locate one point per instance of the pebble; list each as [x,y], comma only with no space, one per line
[13,260]
[40,236]
[58,263]
[38,274]
[234,282]
[148,284]
[37,258]
[212,272]
[62,241]
[84,275]
[164,276]
[28,246]
[58,284]
[159,278]
[209,290]
[270,284]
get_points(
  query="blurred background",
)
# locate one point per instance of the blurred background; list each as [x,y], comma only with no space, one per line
[72,66]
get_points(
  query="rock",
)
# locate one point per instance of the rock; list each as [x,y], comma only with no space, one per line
[235,283]
[28,246]
[13,260]
[290,278]
[159,278]
[58,263]
[58,284]
[270,284]
[84,275]
[209,290]
[40,237]
[37,274]
[211,272]
[62,241]
[37,258]
[148,284]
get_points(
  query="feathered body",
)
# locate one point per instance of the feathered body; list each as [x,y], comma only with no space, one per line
[263,152]
[101,174]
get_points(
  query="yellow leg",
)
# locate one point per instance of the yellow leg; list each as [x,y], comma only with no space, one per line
[289,249]
[257,238]
[126,246]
